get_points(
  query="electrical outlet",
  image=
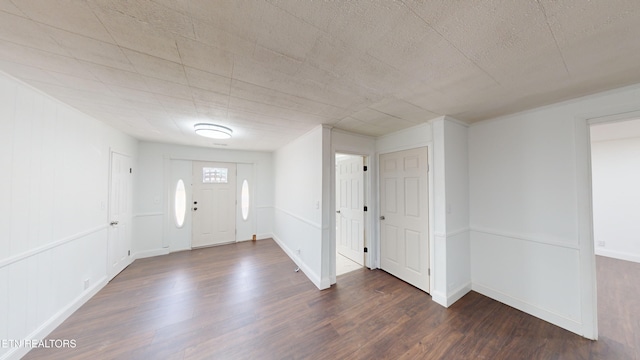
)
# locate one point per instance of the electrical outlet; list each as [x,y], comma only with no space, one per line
[298,251]
[86,284]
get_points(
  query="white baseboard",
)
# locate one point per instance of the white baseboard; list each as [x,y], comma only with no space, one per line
[310,274]
[458,294]
[258,238]
[48,326]
[448,300]
[151,253]
[439,298]
[617,254]
[531,309]
[264,236]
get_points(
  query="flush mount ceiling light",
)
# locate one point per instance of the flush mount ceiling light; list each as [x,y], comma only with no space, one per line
[213,131]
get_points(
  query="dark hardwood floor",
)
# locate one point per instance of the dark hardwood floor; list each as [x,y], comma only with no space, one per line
[244,301]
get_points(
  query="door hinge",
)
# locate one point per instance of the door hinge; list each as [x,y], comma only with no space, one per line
[429,272]
[427,167]
[365,168]
[365,208]
[129,253]
[130,171]
[365,249]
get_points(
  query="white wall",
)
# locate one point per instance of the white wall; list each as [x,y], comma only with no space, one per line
[530,217]
[159,164]
[616,196]
[523,215]
[53,212]
[451,212]
[300,197]
[410,138]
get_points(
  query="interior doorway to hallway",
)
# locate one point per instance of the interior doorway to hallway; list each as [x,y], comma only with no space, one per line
[614,153]
[350,213]
[615,150]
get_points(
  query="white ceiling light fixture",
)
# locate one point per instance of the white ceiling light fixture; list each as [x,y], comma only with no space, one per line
[213,131]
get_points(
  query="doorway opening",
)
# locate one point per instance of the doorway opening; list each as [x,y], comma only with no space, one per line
[614,152]
[350,213]
[615,175]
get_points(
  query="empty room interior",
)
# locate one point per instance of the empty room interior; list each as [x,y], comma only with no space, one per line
[267,179]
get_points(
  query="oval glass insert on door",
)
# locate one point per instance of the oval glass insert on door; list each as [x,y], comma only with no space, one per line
[180,203]
[244,200]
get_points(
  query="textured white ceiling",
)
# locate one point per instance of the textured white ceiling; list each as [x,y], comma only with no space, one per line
[273,69]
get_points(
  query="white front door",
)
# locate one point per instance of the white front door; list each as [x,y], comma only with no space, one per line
[350,207]
[120,214]
[213,203]
[404,240]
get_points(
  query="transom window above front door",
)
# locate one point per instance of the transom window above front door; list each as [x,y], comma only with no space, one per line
[214,175]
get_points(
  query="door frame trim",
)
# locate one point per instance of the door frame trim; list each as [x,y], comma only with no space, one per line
[584,176]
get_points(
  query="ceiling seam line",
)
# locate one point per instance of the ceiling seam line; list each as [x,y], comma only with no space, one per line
[452,44]
[555,40]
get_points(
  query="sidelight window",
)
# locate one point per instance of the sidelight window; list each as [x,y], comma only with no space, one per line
[244,200]
[180,203]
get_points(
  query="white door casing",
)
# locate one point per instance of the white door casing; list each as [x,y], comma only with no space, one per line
[404,240]
[213,203]
[120,214]
[350,207]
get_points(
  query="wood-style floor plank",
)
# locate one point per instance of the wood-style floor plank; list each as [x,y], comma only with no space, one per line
[244,301]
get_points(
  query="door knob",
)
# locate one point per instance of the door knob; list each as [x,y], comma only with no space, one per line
[338,211]
[381,217]
[194,209]
[113,223]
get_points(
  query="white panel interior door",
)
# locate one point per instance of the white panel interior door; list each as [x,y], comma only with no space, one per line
[214,204]
[404,240]
[350,207]
[120,214]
